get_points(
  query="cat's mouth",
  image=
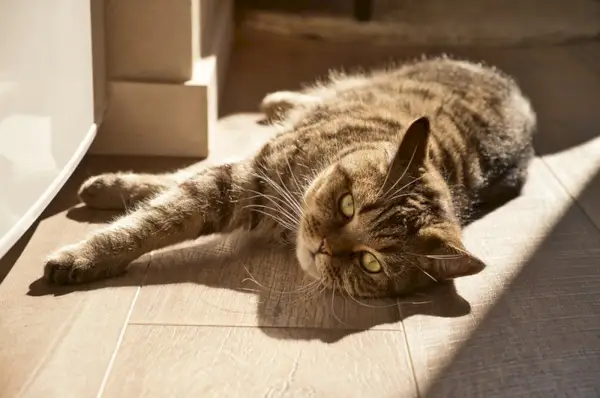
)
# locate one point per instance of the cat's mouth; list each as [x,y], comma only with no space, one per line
[307,260]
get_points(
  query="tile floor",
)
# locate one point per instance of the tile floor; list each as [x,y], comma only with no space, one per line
[185,322]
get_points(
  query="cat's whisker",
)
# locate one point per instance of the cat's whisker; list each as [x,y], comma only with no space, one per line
[333,305]
[123,201]
[438,256]
[247,289]
[278,201]
[277,219]
[399,273]
[426,273]
[315,292]
[402,176]
[308,288]
[263,195]
[309,294]
[278,207]
[405,301]
[295,180]
[272,199]
[305,289]
[387,176]
[396,196]
[270,298]
[280,189]
[294,208]
[312,283]
[444,256]
[323,287]
[301,289]
[357,301]
[289,195]
[290,220]
[461,251]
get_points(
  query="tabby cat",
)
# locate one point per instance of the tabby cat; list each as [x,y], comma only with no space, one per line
[371,180]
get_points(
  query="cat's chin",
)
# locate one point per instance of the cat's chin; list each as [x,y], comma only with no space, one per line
[307,261]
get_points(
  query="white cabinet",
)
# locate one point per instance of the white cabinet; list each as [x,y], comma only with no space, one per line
[46,105]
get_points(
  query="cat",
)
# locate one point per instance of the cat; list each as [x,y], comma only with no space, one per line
[371,179]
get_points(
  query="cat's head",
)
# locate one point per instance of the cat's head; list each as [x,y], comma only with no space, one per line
[379,222]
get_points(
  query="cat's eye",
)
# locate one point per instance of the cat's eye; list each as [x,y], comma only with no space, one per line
[370,263]
[347,205]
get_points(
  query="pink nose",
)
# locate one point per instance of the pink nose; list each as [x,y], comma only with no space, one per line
[324,248]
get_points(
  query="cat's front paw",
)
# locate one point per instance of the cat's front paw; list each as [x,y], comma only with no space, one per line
[103,192]
[71,266]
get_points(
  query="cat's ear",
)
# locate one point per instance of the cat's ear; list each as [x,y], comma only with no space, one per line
[450,258]
[414,145]
[412,150]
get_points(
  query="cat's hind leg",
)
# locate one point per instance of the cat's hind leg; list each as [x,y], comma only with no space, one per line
[277,106]
[120,191]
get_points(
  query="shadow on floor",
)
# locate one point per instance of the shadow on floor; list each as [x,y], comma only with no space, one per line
[542,335]
[247,264]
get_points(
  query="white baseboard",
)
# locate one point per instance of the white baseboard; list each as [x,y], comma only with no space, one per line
[154,119]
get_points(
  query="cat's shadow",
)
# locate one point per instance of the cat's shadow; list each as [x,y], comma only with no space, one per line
[239,263]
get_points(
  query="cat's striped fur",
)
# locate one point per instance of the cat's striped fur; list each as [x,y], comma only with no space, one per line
[422,149]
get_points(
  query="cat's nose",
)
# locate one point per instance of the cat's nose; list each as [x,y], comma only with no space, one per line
[324,248]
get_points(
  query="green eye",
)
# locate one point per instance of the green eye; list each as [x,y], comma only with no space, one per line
[347,205]
[370,263]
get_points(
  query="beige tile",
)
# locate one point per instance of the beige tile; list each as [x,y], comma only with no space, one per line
[243,129]
[184,361]
[569,136]
[207,284]
[56,342]
[534,325]
[578,170]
